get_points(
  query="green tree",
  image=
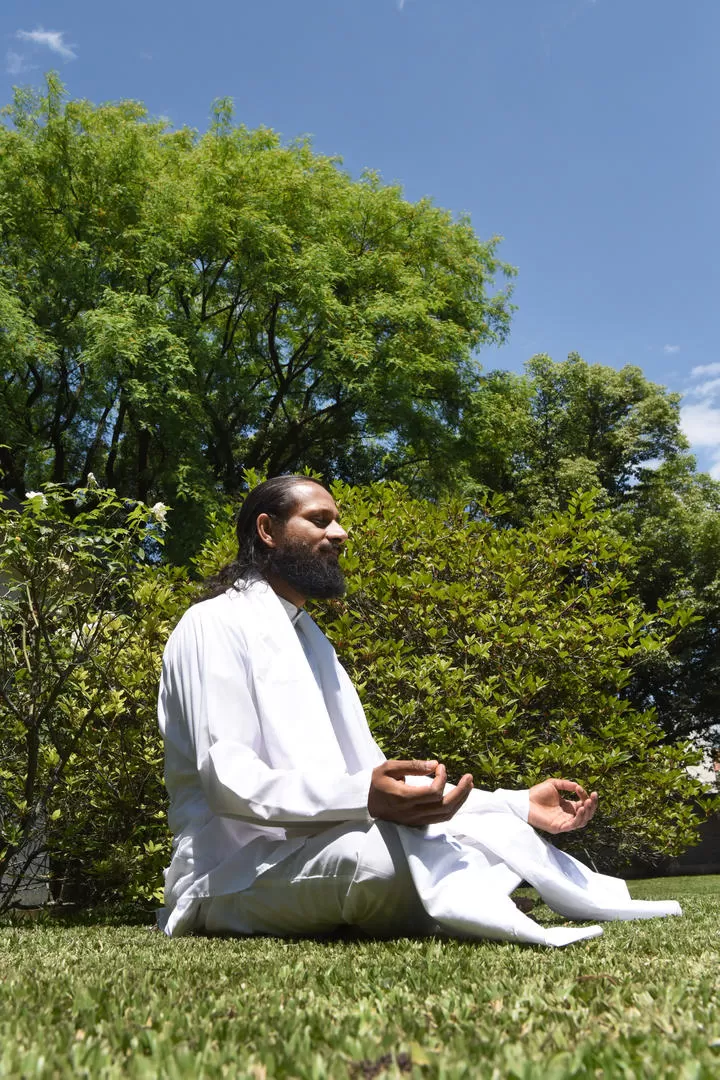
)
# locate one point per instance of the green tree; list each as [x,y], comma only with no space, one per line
[181,307]
[569,426]
[673,519]
[590,426]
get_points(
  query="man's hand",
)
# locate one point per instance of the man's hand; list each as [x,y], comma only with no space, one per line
[552,813]
[391,799]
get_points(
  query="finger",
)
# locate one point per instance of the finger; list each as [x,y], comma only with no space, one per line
[434,793]
[455,798]
[430,793]
[570,785]
[584,813]
[422,814]
[400,769]
[423,795]
[579,821]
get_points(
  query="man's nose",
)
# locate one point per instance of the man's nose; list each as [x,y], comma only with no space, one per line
[336,533]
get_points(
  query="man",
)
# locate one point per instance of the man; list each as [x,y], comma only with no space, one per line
[286,816]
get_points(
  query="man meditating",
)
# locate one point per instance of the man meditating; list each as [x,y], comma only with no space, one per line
[287,819]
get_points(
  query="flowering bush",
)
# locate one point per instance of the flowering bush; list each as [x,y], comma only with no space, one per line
[77,598]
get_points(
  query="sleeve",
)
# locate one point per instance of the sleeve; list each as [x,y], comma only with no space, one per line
[483,802]
[516,801]
[206,706]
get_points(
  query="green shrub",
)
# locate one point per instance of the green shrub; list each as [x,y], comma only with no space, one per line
[501,651]
[111,839]
[81,631]
[505,652]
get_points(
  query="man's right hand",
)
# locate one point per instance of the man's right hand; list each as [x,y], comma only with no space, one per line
[391,799]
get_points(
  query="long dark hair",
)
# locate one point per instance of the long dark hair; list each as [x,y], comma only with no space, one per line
[277,498]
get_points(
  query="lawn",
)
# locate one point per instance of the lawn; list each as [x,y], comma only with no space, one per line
[115,999]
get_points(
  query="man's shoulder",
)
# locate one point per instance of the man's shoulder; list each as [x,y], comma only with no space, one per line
[217,614]
[214,607]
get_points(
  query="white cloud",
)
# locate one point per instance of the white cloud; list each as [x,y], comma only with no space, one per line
[709,389]
[15,63]
[52,39]
[700,415]
[701,424]
[671,348]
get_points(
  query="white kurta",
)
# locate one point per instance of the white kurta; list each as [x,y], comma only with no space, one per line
[266,744]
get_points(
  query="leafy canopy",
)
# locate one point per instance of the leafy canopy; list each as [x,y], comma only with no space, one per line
[181,307]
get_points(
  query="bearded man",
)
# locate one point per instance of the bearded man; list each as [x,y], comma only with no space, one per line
[287,818]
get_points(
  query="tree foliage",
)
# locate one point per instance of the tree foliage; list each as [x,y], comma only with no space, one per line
[573,426]
[580,426]
[673,519]
[181,307]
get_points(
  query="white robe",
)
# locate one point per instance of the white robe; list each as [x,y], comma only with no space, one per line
[263,749]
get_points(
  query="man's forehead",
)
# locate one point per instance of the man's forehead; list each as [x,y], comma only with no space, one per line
[311,497]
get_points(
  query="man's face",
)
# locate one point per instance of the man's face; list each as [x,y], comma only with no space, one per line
[307,546]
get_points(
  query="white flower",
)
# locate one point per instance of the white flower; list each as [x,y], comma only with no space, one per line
[91,481]
[37,495]
[80,638]
[159,512]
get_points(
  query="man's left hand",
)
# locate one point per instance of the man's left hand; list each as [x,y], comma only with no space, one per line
[553,813]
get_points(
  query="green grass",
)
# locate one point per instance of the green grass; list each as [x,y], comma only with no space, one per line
[106,999]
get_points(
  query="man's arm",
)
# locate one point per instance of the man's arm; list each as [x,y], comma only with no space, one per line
[392,799]
[209,718]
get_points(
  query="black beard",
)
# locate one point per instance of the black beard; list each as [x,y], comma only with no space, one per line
[316,575]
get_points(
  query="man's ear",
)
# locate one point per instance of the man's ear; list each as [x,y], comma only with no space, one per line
[265,526]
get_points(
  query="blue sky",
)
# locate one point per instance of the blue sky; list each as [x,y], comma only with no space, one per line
[582,131]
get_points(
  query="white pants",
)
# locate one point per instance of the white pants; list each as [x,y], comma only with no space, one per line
[344,876]
[392,880]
